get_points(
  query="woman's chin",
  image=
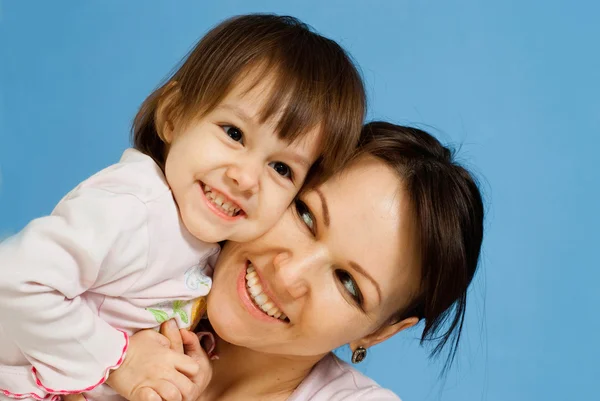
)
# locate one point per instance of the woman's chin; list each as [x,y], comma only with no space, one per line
[226,323]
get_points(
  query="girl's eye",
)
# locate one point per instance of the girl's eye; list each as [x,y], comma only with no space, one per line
[234,133]
[350,285]
[282,169]
[305,215]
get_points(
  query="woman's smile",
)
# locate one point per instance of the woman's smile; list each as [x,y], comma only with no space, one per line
[253,294]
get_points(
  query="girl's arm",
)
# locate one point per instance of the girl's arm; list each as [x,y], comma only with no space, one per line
[177,342]
[47,266]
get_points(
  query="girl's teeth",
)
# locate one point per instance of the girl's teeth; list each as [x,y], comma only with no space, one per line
[228,207]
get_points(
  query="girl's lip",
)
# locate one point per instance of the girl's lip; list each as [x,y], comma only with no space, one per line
[217,210]
[248,303]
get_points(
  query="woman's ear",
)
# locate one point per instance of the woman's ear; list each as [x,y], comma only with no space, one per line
[167,111]
[384,333]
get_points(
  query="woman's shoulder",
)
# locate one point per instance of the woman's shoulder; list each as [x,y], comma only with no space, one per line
[333,379]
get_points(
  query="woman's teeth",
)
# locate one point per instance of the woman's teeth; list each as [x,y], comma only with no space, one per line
[260,298]
[229,208]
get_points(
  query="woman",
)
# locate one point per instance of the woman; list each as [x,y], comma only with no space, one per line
[392,240]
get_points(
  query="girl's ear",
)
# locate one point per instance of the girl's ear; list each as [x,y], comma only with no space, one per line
[167,111]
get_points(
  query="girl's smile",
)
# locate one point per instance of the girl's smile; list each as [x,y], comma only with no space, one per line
[221,204]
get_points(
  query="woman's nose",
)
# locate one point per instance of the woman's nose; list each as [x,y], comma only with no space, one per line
[297,271]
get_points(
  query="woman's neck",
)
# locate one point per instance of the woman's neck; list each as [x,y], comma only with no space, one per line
[241,373]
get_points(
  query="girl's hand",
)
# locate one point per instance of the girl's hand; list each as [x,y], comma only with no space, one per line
[184,341]
[155,369]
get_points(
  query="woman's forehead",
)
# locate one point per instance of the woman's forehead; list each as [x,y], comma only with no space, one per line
[367,189]
[372,223]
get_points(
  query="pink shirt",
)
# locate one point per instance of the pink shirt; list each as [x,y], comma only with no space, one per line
[113,258]
[334,380]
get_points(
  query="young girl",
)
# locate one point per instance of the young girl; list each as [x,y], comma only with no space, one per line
[259,106]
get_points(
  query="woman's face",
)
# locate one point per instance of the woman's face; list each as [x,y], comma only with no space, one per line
[340,262]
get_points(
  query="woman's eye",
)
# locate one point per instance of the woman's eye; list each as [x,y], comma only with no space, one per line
[305,215]
[350,285]
[234,133]
[282,169]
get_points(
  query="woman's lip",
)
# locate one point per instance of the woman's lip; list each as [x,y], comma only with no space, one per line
[217,210]
[248,303]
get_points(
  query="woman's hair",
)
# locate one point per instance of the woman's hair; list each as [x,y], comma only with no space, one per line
[449,215]
[315,84]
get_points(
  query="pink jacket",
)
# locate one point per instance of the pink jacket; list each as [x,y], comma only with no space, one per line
[111,259]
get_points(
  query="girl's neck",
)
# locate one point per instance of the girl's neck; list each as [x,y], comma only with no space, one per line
[241,373]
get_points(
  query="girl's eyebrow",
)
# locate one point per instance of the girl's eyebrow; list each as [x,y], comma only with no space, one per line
[298,158]
[239,112]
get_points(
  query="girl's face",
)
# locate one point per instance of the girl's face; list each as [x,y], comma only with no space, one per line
[231,175]
[334,269]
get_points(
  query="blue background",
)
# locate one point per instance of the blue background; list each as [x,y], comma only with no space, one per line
[515,82]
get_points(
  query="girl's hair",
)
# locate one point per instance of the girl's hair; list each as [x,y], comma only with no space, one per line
[449,216]
[315,84]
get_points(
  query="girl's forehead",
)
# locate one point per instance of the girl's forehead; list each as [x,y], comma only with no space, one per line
[280,99]
[251,99]
[258,83]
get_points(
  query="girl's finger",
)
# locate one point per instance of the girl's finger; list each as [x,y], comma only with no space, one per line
[169,329]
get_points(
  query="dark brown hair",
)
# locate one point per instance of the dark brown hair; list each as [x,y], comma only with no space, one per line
[449,215]
[315,84]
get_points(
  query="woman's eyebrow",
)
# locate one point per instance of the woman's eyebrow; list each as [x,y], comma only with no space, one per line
[324,207]
[363,272]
